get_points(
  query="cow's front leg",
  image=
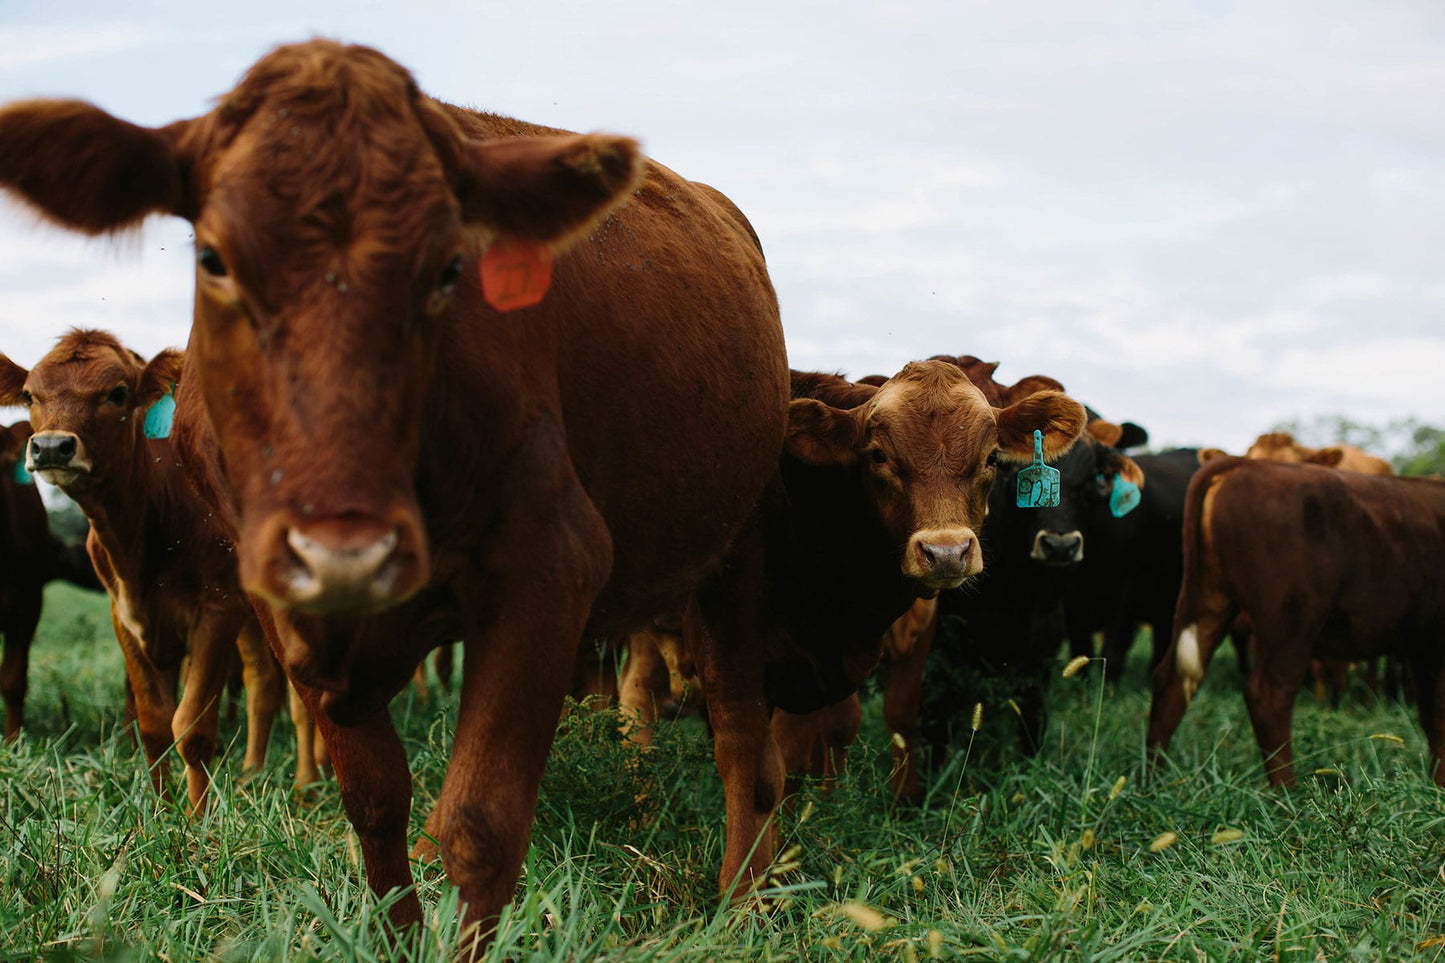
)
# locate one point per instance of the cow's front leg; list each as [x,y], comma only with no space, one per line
[372,774]
[196,721]
[551,556]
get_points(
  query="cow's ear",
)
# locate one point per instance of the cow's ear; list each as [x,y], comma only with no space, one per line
[1104,432]
[1207,455]
[159,377]
[1060,418]
[1132,435]
[12,383]
[1326,457]
[12,440]
[820,435]
[88,171]
[551,189]
[1122,466]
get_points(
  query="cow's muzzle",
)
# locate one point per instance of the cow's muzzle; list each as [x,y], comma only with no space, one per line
[344,566]
[56,456]
[941,558]
[1058,548]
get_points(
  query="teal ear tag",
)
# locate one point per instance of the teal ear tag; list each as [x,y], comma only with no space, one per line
[23,477]
[1124,498]
[1038,483]
[159,415]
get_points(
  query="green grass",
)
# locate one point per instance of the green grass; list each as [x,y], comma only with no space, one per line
[1042,858]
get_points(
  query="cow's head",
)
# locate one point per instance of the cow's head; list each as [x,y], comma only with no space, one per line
[86,401]
[926,446]
[339,215]
[1281,446]
[1057,536]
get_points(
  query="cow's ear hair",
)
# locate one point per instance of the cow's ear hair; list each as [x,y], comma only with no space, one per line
[819,434]
[551,189]
[12,383]
[1326,457]
[1206,455]
[160,375]
[1060,418]
[89,171]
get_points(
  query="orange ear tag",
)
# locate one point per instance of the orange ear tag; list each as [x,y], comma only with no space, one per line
[516,273]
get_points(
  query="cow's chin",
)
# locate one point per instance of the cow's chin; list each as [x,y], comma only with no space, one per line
[929,588]
[60,477]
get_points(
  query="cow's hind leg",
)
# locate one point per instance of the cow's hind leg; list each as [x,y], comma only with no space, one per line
[1177,676]
[265,688]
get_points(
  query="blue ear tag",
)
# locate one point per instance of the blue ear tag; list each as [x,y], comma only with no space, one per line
[1124,498]
[23,477]
[159,415]
[1038,483]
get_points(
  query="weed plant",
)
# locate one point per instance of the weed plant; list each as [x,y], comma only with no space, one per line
[1068,855]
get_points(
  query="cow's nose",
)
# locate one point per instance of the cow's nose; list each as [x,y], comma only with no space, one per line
[1061,549]
[52,449]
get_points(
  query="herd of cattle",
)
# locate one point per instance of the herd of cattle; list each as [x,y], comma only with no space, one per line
[456,377]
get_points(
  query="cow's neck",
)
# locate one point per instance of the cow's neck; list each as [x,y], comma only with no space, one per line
[126,508]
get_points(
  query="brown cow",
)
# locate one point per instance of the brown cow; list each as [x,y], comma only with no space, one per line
[166,564]
[1330,675]
[402,462]
[24,563]
[1327,563]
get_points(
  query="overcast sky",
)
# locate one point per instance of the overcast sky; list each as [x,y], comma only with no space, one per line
[1204,218]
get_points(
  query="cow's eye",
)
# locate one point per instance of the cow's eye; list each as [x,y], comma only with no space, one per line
[992,460]
[117,395]
[25,399]
[211,262]
[878,456]
[449,274]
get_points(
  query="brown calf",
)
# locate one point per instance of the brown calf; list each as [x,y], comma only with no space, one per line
[1328,564]
[166,564]
[405,458]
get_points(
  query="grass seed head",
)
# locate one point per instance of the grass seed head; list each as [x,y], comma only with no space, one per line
[1118,787]
[918,884]
[807,811]
[899,741]
[1227,836]
[977,715]
[1163,841]
[935,945]
[910,955]
[862,914]
[1387,737]
[1075,664]
[1087,840]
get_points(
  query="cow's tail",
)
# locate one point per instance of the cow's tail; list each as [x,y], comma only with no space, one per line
[1177,676]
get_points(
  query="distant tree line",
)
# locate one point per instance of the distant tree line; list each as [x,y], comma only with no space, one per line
[1412,447]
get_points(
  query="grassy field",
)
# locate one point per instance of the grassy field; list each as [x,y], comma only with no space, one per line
[1050,858]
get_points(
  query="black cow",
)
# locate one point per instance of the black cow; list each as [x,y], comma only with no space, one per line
[998,637]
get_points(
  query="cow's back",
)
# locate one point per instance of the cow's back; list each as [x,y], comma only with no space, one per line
[1360,555]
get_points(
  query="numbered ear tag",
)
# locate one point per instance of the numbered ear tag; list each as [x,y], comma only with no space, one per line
[1124,498]
[515,273]
[159,416]
[23,477]
[1038,483]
